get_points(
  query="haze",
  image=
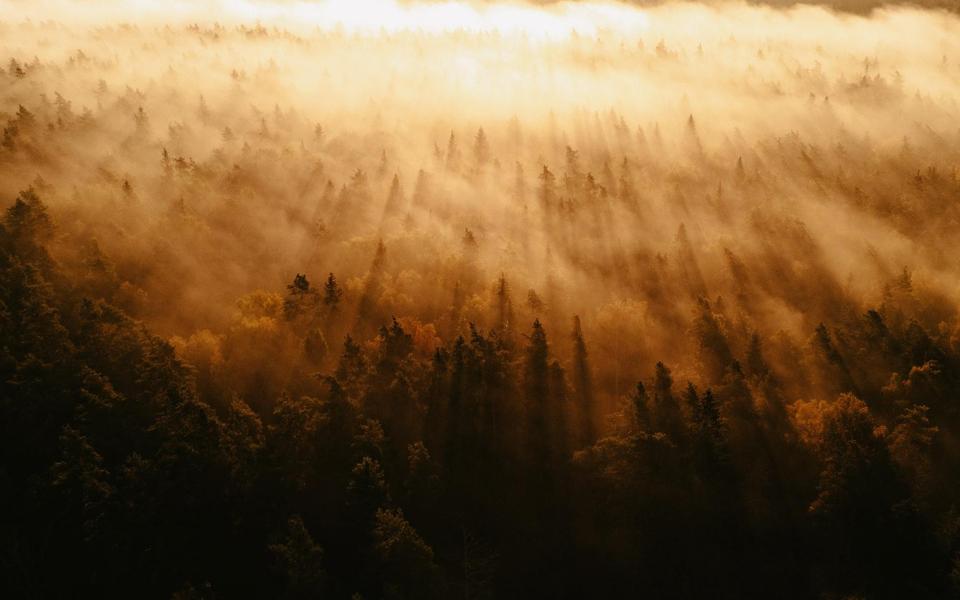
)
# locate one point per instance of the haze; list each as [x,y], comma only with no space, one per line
[453,237]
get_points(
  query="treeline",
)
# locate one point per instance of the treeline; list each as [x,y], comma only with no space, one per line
[480,469]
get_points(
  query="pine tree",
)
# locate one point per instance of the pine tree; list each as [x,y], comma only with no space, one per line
[299,560]
[372,286]
[583,386]
[422,482]
[832,363]
[535,303]
[692,138]
[481,150]
[141,121]
[690,273]
[862,502]
[367,491]
[504,305]
[332,293]
[709,442]
[572,177]
[383,166]
[608,180]
[166,163]
[435,403]
[301,298]
[390,396]
[547,193]
[421,189]
[15,69]
[557,428]
[25,119]
[27,220]
[640,408]
[536,383]
[713,349]
[405,564]
[351,371]
[455,436]
[453,153]
[666,414]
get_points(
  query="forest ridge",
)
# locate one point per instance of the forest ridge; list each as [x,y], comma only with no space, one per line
[607,302]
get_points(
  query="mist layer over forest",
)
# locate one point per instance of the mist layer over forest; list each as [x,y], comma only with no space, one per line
[409,300]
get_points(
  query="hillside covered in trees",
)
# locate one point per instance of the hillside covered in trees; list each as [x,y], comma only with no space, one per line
[580,301]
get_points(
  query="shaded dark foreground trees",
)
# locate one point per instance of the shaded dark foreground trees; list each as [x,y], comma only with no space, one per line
[475,468]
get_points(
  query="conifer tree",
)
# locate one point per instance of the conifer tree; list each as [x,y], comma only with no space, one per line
[666,415]
[504,305]
[301,298]
[332,294]
[547,193]
[583,386]
[299,560]
[394,198]
[640,408]
[351,370]
[536,382]
[453,153]
[481,150]
[572,176]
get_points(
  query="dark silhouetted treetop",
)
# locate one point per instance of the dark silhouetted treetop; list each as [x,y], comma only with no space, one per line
[332,293]
[299,560]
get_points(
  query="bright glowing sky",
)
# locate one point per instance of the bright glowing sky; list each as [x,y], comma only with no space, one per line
[555,21]
[388,14]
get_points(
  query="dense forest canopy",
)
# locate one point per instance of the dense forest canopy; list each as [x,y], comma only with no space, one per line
[478,300]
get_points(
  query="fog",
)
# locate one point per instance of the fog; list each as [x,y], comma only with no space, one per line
[832,119]
[688,180]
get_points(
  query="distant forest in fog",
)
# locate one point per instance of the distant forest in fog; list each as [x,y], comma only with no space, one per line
[853,6]
[665,307]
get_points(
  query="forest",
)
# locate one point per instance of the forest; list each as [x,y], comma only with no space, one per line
[497,300]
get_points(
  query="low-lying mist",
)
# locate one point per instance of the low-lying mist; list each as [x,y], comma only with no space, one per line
[786,166]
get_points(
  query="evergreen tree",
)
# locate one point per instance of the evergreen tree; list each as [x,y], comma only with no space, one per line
[874,530]
[332,293]
[299,560]
[583,386]
[481,150]
[394,198]
[301,298]
[351,371]
[547,192]
[453,153]
[421,189]
[536,382]
[665,413]
[572,177]
[371,287]
[714,351]
[709,441]
[640,408]
[367,491]
[405,562]
[504,305]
